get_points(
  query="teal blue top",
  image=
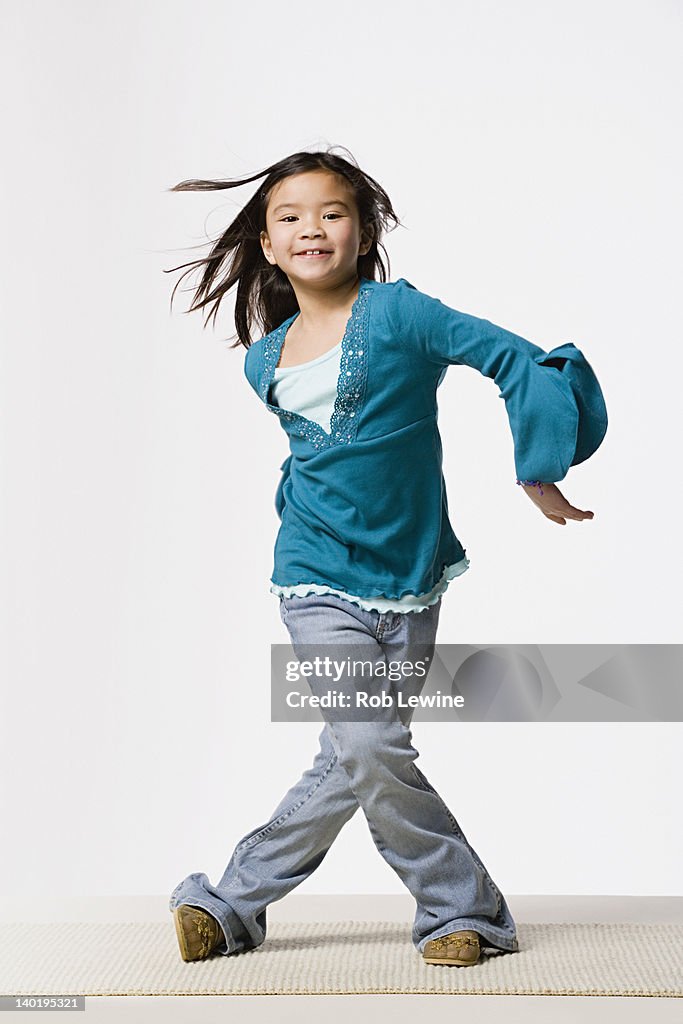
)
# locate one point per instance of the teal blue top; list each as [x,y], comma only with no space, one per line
[363,508]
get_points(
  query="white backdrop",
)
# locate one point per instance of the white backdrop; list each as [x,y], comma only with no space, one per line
[532,152]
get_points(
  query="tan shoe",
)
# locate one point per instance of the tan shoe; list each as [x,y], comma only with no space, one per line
[198,932]
[459,949]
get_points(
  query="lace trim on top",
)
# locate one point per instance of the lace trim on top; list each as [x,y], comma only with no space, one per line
[350,385]
[408,603]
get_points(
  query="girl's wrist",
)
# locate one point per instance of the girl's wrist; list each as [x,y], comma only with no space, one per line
[531,483]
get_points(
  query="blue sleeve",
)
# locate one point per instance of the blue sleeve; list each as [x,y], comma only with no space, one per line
[251,366]
[280,500]
[553,400]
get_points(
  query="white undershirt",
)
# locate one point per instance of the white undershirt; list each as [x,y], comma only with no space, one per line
[310,388]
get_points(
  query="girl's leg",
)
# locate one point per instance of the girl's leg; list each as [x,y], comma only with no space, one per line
[357,761]
[278,855]
[411,826]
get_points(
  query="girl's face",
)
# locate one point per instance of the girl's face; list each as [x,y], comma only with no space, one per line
[314,210]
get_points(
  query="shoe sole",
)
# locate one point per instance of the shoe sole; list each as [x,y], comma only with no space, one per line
[182,938]
[450,963]
[180,933]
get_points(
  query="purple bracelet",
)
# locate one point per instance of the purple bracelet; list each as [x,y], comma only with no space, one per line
[531,483]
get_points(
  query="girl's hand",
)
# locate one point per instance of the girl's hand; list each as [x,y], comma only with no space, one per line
[554,505]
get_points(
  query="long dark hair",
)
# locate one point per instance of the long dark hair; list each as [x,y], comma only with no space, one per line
[264,295]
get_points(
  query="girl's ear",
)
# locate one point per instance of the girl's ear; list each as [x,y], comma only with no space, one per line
[265,248]
[367,238]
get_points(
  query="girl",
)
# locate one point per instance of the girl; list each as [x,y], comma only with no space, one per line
[350,364]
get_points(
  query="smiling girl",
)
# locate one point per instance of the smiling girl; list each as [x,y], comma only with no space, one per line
[350,364]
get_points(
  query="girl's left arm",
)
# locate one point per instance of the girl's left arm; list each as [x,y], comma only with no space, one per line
[554,505]
[553,400]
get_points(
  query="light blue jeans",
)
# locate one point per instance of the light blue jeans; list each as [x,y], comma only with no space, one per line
[368,764]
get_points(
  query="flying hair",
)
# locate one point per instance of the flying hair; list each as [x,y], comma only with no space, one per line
[264,296]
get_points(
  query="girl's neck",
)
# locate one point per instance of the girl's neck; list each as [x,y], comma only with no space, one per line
[320,309]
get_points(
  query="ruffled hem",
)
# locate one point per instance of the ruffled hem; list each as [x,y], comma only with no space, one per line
[380,602]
